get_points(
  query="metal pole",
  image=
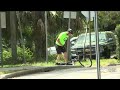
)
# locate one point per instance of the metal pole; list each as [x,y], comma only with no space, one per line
[68,43]
[90,33]
[46,36]
[97,47]
[1,62]
[69,19]
[85,42]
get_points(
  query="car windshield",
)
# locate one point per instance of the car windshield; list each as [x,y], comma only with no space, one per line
[81,38]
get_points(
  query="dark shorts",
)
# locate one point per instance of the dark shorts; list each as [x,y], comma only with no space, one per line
[60,49]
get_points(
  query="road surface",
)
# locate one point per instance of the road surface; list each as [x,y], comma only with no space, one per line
[75,73]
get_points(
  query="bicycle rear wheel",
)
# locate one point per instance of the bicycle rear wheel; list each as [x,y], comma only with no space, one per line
[85,62]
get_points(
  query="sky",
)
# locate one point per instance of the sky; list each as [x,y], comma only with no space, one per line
[53,12]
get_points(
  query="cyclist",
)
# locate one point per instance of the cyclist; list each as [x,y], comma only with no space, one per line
[60,46]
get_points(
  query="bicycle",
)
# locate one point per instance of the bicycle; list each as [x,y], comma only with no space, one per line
[83,59]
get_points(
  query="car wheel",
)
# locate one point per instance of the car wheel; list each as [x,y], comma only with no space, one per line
[107,53]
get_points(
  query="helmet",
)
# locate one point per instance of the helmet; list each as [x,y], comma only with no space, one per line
[70,30]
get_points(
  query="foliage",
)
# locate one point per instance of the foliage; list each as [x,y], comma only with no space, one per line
[107,20]
[7,55]
[28,54]
[57,23]
[35,37]
[117,31]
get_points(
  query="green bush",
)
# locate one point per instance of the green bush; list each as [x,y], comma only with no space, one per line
[117,31]
[27,54]
[7,56]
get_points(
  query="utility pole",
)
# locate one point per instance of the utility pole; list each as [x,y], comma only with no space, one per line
[1,59]
[68,42]
[90,32]
[97,46]
[70,15]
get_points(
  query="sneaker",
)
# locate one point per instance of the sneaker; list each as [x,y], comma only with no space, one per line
[57,63]
[69,64]
[60,63]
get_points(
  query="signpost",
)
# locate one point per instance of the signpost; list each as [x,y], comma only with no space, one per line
[70,15]
[97,46]
[0,43]
[89,17]
[67,14]
[3,20]
[2,25]
[90,33]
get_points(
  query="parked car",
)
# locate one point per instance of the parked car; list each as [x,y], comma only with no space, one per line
[107,45]
[73,40]
[52,50]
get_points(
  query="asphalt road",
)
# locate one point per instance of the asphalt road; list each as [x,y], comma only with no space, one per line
[75,73]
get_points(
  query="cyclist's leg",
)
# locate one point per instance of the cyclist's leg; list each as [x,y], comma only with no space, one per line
[65,57]
[59,54]
[64,54]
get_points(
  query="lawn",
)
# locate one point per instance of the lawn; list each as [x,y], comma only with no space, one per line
[103,63]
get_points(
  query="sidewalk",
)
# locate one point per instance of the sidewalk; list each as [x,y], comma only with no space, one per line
[18,71]
[24,70]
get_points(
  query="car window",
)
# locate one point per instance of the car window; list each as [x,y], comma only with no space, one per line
[102,37]
[81,38]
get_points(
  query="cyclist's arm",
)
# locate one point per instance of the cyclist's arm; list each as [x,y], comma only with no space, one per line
[58,40]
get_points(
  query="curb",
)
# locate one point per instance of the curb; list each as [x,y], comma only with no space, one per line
[43,69]
[46,69]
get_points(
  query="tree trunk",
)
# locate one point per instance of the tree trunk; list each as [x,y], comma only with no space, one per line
[13,35]
[39,35]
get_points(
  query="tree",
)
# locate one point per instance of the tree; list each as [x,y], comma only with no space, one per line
[27,28]
[13,35]
[39,34]
[117,31]
[57,24]
[107,20]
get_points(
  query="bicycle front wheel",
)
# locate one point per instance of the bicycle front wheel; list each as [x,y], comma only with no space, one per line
[86,62]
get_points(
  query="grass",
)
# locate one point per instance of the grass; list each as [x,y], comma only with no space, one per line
[7,72]
[17,65]
[103,63]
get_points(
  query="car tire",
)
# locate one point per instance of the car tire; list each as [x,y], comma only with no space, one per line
[107,55]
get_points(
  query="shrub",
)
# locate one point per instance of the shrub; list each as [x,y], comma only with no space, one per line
[28,55]
[117,31]
[7,56]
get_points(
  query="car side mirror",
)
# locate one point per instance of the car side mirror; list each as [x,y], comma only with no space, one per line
[72,43]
